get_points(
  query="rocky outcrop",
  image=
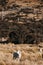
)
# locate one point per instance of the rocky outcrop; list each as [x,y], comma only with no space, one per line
[21,23]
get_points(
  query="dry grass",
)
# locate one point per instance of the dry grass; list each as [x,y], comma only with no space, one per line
[25,2]
[31,54]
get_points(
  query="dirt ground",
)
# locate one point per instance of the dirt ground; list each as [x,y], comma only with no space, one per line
[30,54]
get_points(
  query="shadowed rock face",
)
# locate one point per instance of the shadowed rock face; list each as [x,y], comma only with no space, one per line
[22,23]
[14,38]
[29,39]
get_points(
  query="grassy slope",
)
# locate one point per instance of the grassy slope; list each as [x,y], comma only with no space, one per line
[31,54]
